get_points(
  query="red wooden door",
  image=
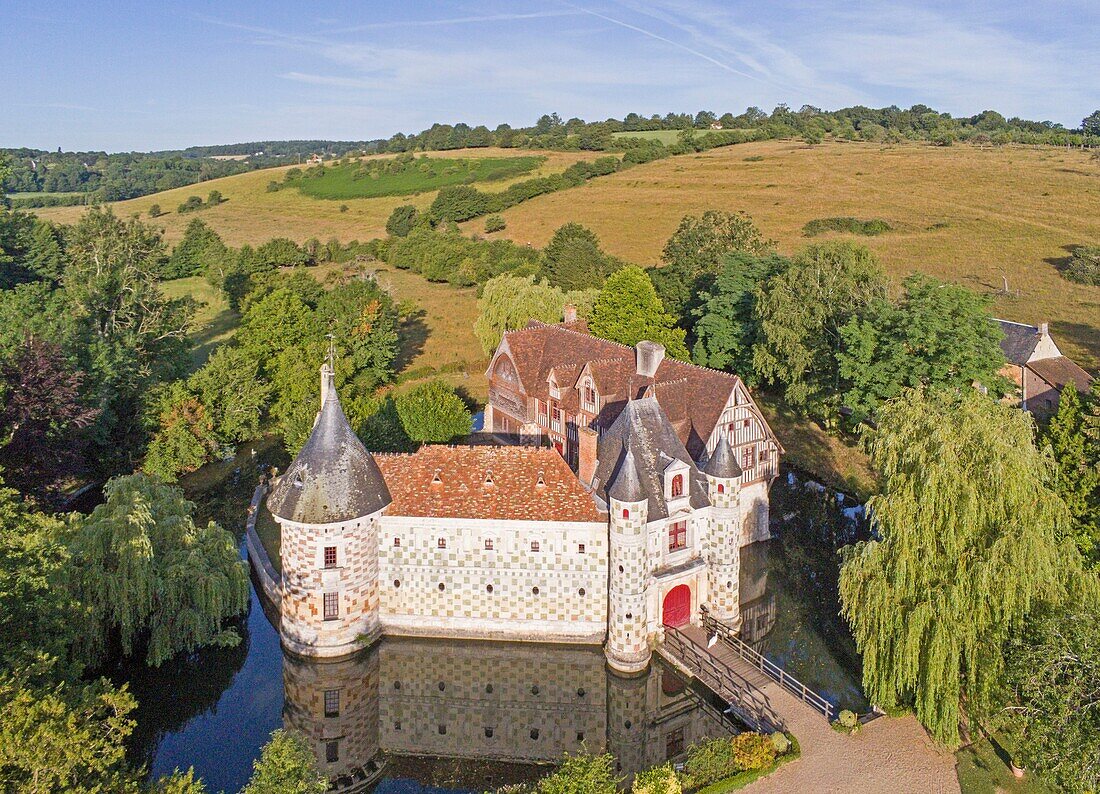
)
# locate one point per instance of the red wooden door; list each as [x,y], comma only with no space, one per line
[677,606]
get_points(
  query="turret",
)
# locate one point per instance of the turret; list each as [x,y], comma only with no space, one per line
[724,554]
[328,504]
[627,646]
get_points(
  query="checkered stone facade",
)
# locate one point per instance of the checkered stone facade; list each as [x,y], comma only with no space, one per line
[493,579]
[723,550]
[306,581]
[628,624]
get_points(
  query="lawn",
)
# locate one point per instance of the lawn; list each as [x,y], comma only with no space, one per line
[982,768]
[373,178]
[214,322]
[960,213]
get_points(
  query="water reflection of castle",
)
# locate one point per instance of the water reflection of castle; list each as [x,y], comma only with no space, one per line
[758,602]
[489,701]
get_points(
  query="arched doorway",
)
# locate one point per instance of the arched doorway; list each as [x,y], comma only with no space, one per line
[677,607]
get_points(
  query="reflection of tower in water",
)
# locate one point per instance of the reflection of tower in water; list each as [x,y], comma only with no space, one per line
[506,702]
[758,602]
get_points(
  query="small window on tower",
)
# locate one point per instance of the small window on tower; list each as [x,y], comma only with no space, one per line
[535,545]
[332,751]
[488,544]
[397,542]
[626,513]
[580,548]
[330,556]
[441,543]
[332,606]
[332,702]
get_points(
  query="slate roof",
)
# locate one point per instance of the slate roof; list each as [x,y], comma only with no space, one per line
[334,478]
[1061,371]
[723,462]
[1019,341]
[440,481]
[642,437]
[693,397]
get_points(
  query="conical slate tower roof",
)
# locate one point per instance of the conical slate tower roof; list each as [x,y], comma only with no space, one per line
[722,462]
[334,478]
[626,485]
[642,438]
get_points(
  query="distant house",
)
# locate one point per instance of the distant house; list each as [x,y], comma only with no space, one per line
[314,159]
[716,125]
[1037,367]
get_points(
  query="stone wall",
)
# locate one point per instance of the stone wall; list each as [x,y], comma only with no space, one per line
[268,579]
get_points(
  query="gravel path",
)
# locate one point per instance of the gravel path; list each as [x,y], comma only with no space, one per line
[888,755]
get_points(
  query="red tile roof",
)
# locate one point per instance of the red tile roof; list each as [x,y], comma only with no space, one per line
[692,397]
[462,492]
[1060,371]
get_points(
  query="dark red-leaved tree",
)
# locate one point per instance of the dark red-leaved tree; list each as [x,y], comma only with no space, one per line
[41,420]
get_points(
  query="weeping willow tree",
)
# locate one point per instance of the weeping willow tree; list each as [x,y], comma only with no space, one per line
[145,572]
[970,542]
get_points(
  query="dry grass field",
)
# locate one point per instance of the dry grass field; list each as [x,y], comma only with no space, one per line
[250,214]
[959,213]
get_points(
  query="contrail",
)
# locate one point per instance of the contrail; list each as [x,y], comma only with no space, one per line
[658,37]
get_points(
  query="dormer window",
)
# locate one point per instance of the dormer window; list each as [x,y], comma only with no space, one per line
[677,486]
[436,479]
[489,478]
[541,482]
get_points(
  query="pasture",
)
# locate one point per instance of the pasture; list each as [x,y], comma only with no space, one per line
[252,214]
[376,177]
[974,216]
[667,137]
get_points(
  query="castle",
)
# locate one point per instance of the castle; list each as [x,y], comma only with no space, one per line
[670,471]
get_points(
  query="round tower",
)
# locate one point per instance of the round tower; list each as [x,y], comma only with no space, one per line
[328,505]
[627,647]
[724,559]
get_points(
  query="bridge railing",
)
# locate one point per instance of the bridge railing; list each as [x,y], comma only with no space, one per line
[726,634]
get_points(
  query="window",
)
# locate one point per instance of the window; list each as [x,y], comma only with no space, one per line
[674,743]
[763,455]
[396,542]
[677,535]
[330,556]
[332,751]
[626,513]
[580,548]
[589,394]
[721,488]
[488,733]
[535,590]
[441,543]
[677,486]
[748,457]
[488,545]
[332,606]
[332,702]
[534,545]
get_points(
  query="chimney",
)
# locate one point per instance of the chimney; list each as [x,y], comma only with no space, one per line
[328,382]
[569,313]
[648,356]
[586,455]
[1044,329]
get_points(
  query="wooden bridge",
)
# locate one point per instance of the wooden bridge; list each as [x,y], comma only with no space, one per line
[758,691]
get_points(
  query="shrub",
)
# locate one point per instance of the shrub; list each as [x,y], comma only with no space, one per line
[433,412]
[753,751]
[154,211]
[1084,265]
[658,780]
[780,742]
[402,220]
[848,719]
[710,761]
[494,223]
[343,208]
[190,205]
[869,228]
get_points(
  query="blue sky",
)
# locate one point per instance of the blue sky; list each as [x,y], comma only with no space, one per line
[118,75]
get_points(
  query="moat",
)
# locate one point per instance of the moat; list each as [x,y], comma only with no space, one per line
[467,716]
